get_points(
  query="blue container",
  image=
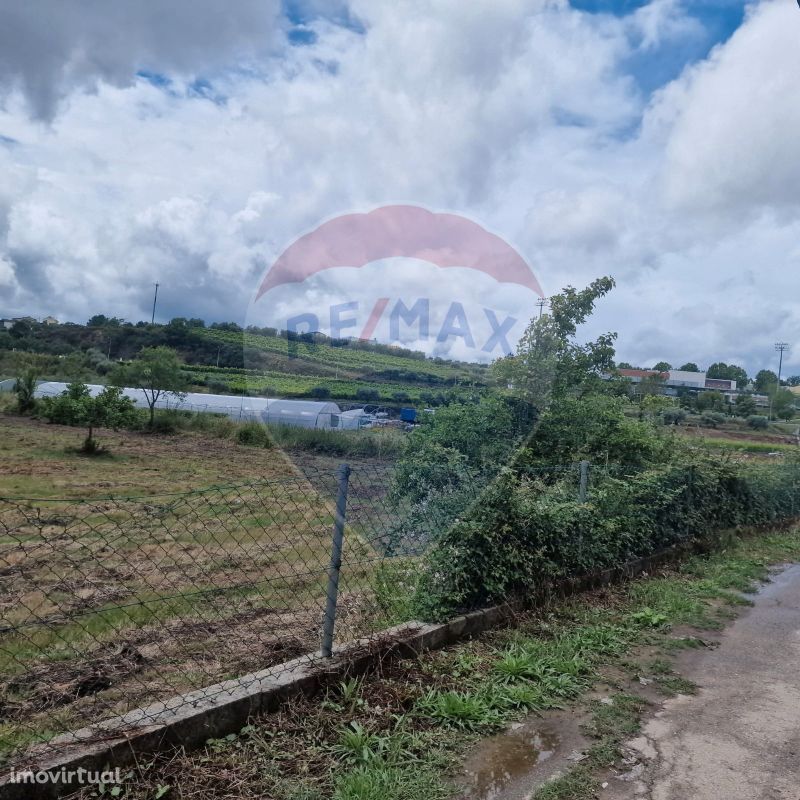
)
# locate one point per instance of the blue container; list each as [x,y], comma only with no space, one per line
[408,414]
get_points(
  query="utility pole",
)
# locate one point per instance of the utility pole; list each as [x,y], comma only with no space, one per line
[155,298]
[541,302]
[780,347]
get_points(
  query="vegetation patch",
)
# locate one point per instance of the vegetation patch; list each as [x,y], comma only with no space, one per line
[400,733]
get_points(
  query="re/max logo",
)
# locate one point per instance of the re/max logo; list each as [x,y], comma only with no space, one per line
[409,323]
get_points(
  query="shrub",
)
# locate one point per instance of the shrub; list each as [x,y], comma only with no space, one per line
[368,394]
[673,416]
[520,534]
[758,422]
[712,419]
[320,392]
[25,388]
[253,434]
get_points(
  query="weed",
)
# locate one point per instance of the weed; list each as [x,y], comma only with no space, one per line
[460,709]
[648,618]
[357,745]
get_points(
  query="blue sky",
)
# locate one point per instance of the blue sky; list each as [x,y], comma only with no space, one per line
[718,19]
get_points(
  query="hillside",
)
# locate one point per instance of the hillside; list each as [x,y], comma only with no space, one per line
[223,358]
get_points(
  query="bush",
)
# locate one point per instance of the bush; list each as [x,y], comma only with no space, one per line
[253,434]
[758,422]
[24,388]
[673,416]
[520,534]
[368,395]
[320,392]
[76,406]
[712,419]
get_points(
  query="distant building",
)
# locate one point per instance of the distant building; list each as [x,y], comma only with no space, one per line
[674,380]
[49,321]
[638,375]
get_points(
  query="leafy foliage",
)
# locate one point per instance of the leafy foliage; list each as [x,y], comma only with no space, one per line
[25,389]
[549,362]
[524,533]
[157,372]
[76,406]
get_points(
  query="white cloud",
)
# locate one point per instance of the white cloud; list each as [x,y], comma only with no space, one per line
[520,115]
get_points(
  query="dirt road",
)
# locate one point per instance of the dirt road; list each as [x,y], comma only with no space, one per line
[739,737]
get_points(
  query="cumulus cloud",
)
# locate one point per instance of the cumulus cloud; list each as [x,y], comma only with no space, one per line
[524,116]
[49,48]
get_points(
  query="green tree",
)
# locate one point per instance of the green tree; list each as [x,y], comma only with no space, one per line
[710,401]
[548,361]
[662,366]
[744,406]
[689,366]
[76,406]
[727,372]
[766,381]
[624,365]
[25,389]
[783,403]
[651,384]
[157,372]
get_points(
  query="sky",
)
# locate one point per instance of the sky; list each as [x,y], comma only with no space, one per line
[656,142]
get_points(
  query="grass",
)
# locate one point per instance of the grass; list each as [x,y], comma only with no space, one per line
[200,586]
[400,733]
[739,446]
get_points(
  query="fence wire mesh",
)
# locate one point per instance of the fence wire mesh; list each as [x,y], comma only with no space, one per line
[111,604]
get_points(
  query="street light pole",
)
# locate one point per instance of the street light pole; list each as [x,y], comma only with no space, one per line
[155,298]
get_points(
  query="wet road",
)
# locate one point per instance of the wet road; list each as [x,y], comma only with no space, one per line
[739,737]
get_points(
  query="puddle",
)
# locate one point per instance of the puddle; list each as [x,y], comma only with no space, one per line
[503,758]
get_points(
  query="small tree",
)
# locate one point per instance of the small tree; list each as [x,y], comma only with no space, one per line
[766,381]
[110,409]
[663,366]
[157,372]
[25,389]
[689,366]
[76,406]
[783,404]
[744,406]
[710,401]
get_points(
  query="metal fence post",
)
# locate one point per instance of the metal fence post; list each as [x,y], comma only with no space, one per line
[343,474]
[584,485]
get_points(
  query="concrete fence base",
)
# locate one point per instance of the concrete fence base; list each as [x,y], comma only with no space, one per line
[189,720]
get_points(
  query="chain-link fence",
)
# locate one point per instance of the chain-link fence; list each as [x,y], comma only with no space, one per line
[109,604]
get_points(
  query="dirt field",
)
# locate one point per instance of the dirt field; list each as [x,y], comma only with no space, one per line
[126,579]
[36,461]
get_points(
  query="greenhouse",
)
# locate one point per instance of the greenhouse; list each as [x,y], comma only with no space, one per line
[296,413]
